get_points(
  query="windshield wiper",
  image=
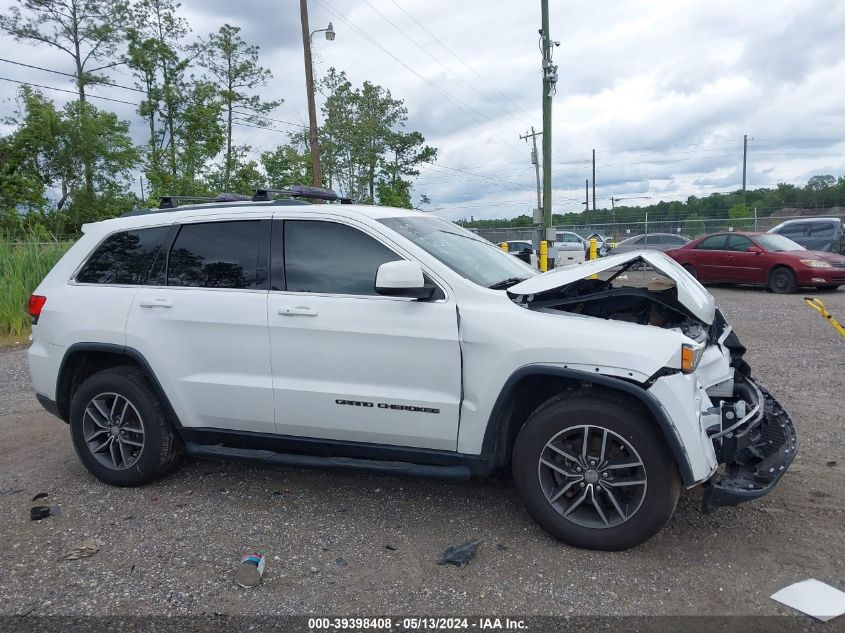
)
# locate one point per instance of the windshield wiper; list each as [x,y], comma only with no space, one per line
[506,283]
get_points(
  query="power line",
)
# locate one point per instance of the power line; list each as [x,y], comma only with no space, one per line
[430,84]
[461,60]
[73,92]
[449,70]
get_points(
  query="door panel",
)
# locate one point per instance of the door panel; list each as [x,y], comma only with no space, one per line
[349,364]
[710,258]
[208,349]
[204,330]
[379,370]
[742,266]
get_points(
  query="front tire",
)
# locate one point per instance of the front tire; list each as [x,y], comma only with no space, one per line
[782,281]
[120,429]
[594,472]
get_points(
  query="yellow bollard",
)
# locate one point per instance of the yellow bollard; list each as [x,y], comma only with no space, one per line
[594,254]
[504,246]
[544,256]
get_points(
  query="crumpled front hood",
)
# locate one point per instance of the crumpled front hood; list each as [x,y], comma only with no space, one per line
[691,294]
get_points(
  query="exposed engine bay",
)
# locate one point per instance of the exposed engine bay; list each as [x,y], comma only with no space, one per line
[652,302]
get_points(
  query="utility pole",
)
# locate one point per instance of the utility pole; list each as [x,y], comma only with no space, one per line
[744,158]
[549,83]
[594,180]
[535,160]
[309,86]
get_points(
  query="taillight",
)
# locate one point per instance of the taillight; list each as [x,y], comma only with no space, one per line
[36,304]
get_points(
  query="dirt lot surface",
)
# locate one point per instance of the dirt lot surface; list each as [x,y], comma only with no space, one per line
[351,544]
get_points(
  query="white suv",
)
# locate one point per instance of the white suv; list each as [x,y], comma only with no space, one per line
[413,348]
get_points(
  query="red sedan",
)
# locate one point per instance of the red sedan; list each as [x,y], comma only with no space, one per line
[763,259]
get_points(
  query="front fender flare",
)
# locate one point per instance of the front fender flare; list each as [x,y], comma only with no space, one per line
[652,404]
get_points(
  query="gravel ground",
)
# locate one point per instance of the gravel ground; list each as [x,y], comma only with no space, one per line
[353,544]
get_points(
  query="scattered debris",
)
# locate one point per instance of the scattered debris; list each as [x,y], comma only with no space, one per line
[36,513]
[40,495]
[501,547]
[390,547]
[459,555]
[250,570]
[11,491]
[86,548]
[831,463]
[342,562]
[814,598]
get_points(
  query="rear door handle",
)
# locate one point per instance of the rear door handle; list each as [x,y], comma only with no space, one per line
[155,303]
[298,311]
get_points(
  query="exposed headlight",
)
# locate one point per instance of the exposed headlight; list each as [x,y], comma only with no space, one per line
[815,263]
[690,356]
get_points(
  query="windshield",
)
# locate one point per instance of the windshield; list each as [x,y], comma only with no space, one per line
[777,243]
[470,256]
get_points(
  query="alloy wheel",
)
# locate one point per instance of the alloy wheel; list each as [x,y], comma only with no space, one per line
[592,476]
[113,431]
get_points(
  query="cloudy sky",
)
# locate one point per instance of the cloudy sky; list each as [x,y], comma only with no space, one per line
[663,91]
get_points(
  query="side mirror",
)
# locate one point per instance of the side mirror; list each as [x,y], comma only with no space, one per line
[754,249]
[402,279]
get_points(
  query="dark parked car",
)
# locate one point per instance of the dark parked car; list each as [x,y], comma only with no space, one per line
[763,259]
[652,241]
[815,234]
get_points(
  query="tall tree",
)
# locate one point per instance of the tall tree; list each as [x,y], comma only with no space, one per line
[156,55]
[50,146]
[234,65]
[86,30]
[367,151]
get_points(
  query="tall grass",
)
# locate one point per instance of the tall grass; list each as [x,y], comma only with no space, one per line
[22,267]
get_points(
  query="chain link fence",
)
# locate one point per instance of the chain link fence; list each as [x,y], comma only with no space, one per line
[618,231]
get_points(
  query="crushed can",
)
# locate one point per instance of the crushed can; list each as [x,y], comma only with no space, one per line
[250,570]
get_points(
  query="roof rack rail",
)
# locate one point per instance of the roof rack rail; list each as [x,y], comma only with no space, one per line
[171,202]
[300,191]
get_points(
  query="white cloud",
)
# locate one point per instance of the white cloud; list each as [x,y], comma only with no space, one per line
[663,91]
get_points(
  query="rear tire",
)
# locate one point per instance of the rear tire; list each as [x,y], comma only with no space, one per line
[120,429]
[782,281]
[691,270]
[552,473]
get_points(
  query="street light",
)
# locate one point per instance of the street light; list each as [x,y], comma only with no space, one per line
[329,31]
[307,36]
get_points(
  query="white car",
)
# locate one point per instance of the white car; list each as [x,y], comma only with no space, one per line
[410,347]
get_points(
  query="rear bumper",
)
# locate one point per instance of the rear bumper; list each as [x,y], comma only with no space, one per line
[755,455]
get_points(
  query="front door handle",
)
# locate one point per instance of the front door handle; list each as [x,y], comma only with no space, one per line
[155,303]
[298,311]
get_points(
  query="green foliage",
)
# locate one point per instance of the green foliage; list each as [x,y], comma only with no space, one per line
[236,72]
[820,192]
[23,266]
[286,166]
[364,147]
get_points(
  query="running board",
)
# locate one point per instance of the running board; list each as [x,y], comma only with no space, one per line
[318,462]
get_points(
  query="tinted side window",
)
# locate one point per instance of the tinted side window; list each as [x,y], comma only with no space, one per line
[215,255]
[332,258]
[712,243]
[792,230]
[124,258]
[821,229]
[738,243]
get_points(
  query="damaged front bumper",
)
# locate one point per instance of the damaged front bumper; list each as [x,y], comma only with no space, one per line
[757,444]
